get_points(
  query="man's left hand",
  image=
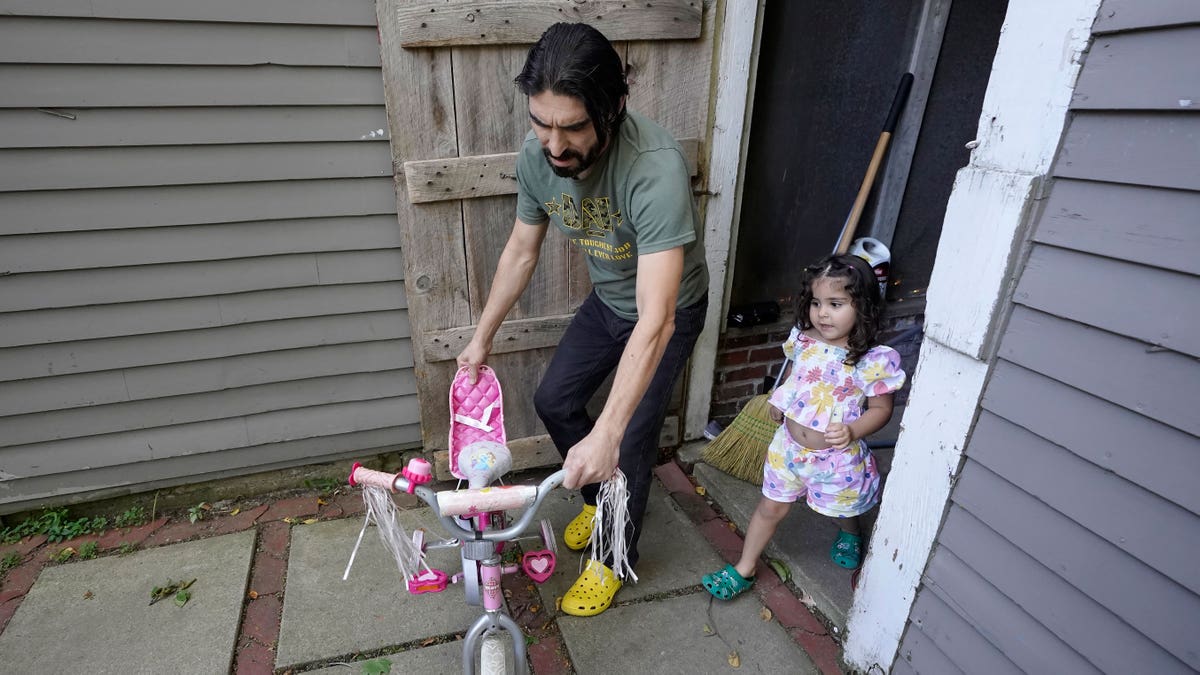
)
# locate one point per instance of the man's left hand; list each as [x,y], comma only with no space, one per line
[592,460]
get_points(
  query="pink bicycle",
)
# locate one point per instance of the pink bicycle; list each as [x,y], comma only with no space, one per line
[477,520]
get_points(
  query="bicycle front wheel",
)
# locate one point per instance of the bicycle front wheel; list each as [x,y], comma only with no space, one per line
[495,657]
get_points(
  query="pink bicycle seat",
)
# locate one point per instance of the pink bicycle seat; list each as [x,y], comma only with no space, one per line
[476,413]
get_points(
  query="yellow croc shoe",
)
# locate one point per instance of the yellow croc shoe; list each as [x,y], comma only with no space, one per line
[579,531]
[592,592]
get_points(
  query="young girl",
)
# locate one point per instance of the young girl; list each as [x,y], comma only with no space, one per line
[834,365]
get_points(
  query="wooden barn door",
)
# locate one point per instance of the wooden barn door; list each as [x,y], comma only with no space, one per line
[455,120]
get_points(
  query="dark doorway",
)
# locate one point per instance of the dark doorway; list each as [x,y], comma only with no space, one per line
[826,76]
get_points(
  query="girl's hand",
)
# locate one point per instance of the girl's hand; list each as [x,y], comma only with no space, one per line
[776,414]
[839,435]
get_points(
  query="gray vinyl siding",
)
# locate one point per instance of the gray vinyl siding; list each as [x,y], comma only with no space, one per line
[201,271]
[1073,534]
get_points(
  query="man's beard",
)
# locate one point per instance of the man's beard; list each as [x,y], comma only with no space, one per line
[582,162]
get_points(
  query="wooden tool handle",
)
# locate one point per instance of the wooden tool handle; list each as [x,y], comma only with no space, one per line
[881,145]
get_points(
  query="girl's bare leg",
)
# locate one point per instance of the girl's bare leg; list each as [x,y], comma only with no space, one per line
[851,525]
[762,527]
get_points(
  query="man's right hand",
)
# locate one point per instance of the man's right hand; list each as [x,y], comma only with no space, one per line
[472,357]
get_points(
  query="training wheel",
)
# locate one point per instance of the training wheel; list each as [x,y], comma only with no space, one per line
[548,539]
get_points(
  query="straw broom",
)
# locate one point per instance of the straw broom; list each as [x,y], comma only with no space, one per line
[741,449]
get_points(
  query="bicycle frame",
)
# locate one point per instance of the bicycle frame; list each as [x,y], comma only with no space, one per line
[465,515]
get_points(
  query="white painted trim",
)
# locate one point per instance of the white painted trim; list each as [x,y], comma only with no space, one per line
[737,61]
[1024,114]
[973,262]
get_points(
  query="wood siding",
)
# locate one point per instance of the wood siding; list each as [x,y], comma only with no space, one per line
[1071,541]
[201,271]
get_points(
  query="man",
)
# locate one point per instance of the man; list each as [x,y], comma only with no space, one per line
[617,185]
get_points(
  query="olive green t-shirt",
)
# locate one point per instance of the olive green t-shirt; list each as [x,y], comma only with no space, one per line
[636,199]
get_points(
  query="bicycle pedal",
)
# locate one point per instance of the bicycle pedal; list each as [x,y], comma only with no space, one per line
[429,581]
[539,565]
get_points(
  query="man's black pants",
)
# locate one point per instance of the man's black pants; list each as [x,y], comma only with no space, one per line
[590,349]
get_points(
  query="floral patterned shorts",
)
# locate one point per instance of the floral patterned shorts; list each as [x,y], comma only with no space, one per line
[837,483]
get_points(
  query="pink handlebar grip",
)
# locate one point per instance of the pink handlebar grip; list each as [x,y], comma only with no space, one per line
[484,500]
[360,475]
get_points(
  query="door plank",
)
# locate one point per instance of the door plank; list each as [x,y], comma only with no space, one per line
[445,23]
[434,180]
[419,95]
[669,82]
[514,336]
[493,117]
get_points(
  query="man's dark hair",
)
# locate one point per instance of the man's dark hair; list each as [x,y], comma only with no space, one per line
[574,59]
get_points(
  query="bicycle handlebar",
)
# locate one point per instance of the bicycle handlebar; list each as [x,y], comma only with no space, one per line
[449,503]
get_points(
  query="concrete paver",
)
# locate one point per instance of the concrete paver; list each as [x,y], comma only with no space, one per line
[93,616]
[325,617]
[689,634]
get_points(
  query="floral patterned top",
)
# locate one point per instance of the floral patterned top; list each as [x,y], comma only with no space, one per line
[822,389]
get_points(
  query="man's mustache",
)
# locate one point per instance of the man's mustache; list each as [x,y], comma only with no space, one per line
[567,154]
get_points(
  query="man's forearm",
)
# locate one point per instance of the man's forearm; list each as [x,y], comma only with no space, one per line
[639,362]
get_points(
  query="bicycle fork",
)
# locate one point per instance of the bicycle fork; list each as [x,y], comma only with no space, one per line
[493,619]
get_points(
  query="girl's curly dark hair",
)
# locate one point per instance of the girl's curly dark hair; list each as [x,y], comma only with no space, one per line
[864,295]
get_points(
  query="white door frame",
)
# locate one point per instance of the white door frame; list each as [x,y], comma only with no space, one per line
[737,63]
[1024,113]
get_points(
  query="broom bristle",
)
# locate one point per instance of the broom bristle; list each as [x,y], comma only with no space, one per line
[741,449]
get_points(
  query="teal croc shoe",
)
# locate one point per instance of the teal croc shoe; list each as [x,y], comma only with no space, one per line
[726,584]
[847,550]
